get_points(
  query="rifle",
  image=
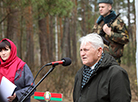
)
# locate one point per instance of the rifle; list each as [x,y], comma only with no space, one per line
[102,33]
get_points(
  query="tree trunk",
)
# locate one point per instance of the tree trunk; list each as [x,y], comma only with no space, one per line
[13,28]
[2,11]
[51,40]
[136,3]
[89,16]
[42,40]
[56,38]
[48,44]
[83,23]
[129,32]
[60,36]
[65,38]
[74,34]
[29,43]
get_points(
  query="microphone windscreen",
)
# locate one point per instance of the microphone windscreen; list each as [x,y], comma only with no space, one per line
[67,61]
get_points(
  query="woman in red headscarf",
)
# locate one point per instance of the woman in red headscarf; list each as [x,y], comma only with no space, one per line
[15,70]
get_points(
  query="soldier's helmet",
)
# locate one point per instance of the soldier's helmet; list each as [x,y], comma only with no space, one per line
[105,1]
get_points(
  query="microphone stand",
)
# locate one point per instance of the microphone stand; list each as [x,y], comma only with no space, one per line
[50,70]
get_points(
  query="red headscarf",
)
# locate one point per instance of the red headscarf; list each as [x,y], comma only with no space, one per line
[12,64]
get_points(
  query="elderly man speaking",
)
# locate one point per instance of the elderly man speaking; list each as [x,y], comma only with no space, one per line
[100,79]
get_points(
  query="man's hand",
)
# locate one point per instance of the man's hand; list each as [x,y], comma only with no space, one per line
[11,98]
[107,29]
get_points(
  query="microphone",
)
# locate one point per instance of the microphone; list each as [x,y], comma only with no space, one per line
[64,61]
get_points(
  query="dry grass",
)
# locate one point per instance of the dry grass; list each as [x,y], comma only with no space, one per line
[131,70]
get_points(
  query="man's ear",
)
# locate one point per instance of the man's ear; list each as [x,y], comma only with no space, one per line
[110,7]
[100,50]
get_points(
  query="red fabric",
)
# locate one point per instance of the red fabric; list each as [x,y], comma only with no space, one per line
[12,64]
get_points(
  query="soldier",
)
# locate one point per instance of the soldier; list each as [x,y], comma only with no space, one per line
[116,36]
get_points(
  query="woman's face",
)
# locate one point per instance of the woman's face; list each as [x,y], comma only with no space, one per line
[5,53]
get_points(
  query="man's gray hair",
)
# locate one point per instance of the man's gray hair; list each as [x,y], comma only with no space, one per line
[94,38]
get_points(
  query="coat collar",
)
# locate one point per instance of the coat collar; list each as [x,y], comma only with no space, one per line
[106,19]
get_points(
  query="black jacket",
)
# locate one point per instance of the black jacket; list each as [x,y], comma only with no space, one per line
[109,83]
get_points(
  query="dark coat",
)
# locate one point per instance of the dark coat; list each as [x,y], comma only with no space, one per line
[109,83]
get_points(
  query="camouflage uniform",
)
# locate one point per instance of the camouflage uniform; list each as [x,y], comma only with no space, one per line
[117,39]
